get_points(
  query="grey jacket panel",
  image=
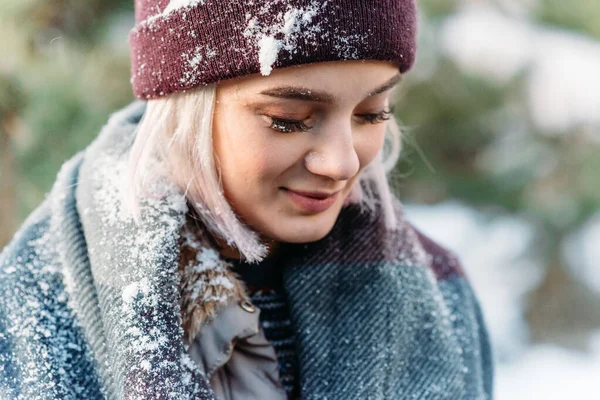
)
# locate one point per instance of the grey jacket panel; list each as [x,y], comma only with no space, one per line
[237,358]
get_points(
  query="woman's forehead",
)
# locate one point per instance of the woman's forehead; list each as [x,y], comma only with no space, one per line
[319,82]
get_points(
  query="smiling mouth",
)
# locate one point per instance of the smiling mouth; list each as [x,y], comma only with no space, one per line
[312,202]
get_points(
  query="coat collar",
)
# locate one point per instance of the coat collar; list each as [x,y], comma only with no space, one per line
[135,269]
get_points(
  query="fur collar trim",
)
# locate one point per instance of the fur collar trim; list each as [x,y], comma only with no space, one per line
[207,281]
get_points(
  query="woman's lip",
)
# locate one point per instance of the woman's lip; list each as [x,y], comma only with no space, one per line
[312,202]
[315,195]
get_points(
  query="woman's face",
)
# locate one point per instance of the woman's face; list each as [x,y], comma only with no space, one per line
[290,146]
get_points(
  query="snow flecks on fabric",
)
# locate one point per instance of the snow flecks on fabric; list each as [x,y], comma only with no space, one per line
[39,313]
[112,213]
[162,214]
[178,4]
[131,291]
[134,265]
[60,196]
[411,252]
[193,63]
[283,33]
[347,46]
[174,5]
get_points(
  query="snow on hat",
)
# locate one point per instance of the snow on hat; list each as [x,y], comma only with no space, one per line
[178,45]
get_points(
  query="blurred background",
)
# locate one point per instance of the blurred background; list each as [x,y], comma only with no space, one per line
[501,160]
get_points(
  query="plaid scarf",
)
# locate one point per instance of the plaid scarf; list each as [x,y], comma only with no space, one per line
[92,302]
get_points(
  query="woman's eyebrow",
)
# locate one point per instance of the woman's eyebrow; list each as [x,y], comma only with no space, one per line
[393,81]
[301,93]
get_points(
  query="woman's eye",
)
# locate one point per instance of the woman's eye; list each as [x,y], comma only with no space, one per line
[378,117]
[288,125]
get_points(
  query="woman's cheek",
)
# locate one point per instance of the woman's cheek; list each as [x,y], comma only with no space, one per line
[259,163]
[369,144]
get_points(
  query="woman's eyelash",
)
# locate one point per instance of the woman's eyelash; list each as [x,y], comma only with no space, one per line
[288,125]
[379,117]
[292,125]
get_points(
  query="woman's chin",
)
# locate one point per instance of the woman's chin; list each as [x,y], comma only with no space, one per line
[300,232]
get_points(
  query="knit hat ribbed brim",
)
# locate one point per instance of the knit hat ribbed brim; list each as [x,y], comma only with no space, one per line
[178,45]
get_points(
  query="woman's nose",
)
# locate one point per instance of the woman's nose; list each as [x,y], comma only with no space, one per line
[334,156]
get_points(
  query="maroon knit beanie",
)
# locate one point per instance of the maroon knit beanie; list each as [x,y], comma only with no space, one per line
[178,45]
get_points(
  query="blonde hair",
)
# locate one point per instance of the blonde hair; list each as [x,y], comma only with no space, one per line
[176,132]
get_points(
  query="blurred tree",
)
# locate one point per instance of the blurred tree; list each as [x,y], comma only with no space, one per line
[63,74]
[9,127]
[579,15]
[474,140]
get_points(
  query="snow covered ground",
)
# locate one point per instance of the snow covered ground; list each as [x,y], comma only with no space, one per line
[582,253]
[550,373]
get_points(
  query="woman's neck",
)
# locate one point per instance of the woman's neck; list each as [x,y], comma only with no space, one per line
[227,251]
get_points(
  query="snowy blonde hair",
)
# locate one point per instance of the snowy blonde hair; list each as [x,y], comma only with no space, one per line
[176,132]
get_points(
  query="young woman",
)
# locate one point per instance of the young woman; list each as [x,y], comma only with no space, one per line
[234,237]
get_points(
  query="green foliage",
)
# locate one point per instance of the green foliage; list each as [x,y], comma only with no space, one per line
[473,140]
[437,8]
[579,15]
[62,78]
[452,118]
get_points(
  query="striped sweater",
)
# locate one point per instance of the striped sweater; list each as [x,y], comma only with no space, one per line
[265,288]
[91,301]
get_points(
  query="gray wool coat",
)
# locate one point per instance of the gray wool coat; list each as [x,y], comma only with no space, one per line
[90,300]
